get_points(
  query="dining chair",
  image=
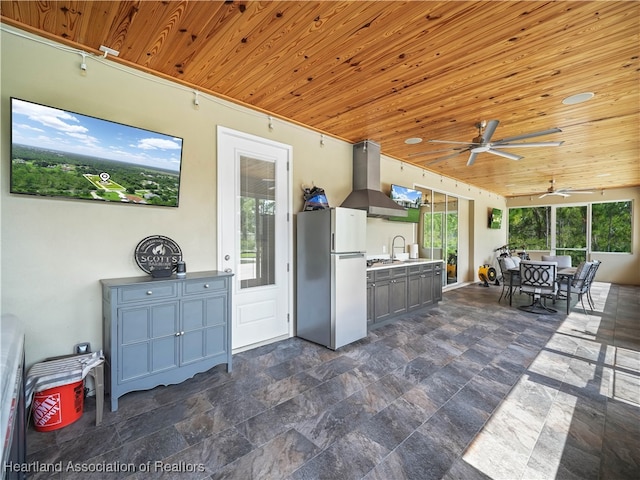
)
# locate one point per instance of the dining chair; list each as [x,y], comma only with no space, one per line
[594,270]
[579,283]
[539,280]
[509,268]
[563,261]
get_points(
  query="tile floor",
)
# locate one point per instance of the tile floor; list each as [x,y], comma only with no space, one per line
[470,389]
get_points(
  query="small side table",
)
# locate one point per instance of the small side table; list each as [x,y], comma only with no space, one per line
[68,369]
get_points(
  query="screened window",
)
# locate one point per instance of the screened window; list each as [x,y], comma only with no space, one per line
[574,230]
[530,227]
[571,233]
[611,227]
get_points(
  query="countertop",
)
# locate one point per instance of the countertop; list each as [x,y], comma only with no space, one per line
[403,263]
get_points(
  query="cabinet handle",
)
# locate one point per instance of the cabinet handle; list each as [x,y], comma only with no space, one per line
[206,285]
[149,292]
[373,284]
[177,334]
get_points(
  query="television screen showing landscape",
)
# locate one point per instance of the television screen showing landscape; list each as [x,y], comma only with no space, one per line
[58,153]
[495,219]
[410,199]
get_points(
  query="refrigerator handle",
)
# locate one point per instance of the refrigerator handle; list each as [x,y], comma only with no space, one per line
[351,255]
[333,241]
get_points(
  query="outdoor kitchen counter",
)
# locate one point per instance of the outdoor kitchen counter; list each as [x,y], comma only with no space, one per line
[403,263]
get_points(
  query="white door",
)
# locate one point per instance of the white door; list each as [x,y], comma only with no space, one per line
[254,234]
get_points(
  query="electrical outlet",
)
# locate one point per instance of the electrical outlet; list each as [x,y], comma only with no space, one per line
[82,348]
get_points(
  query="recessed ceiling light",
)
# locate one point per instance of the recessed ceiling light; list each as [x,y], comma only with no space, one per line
[413,140]
[578,98]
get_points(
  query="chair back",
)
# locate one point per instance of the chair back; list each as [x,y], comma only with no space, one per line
[509,273]
[580,281]
[538,277]
[591,274]
[563,261]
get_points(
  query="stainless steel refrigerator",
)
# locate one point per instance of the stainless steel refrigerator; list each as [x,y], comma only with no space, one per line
[331,276]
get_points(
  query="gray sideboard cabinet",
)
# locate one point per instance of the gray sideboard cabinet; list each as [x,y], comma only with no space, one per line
[164,331]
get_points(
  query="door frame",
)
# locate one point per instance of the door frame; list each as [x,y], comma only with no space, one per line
[289,234]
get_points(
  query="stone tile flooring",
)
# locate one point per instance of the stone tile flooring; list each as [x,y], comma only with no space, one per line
[470,389]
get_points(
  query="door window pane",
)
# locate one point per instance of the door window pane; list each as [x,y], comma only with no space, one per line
[257,222]
[452,239]
[439,231]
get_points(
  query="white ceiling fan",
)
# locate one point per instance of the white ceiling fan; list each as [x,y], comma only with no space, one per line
[561,192]
[483,143]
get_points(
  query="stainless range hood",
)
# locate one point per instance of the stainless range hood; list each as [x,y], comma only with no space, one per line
[366,194]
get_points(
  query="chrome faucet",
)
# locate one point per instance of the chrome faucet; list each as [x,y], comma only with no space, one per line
[393,245]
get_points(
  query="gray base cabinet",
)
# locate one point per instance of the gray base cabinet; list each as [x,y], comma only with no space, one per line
[164,331]
[437,282]
[397,290]
[420,291]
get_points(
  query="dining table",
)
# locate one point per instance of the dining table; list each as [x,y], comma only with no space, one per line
[563,274]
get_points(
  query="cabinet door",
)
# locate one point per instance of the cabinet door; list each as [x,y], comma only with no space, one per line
[437,282]
[398,298]
[382,294]
[371,304]
[147,340]
[426,288]
[414,292]
[204,328]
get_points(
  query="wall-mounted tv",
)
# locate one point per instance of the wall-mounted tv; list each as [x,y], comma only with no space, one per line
[64,154]
[410,199]
[495,218]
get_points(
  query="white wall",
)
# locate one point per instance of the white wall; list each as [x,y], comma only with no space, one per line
[54,252]
[621,268]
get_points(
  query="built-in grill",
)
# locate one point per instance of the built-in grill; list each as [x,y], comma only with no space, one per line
[374,262]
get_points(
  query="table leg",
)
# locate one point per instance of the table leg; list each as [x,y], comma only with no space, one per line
[510,289]
[97,373]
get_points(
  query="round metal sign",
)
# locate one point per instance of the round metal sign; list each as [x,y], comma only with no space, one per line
[157,253]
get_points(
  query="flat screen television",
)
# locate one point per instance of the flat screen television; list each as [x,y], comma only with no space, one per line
[495,218]
[64,154]
[410,199]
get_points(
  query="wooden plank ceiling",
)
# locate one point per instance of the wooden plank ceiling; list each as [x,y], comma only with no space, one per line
[391,70]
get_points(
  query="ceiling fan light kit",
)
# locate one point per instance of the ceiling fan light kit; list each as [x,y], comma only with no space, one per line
[483,144]
[561,192]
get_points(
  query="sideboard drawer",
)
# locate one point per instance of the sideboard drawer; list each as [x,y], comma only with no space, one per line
[148,292]
[205,285]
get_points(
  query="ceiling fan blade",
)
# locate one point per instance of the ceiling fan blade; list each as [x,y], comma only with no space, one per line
[429,152]
[489,130]
[510,156]
[472,158]
[557,193]
[450,141]
[529,135]
[522,145]
[446,157]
